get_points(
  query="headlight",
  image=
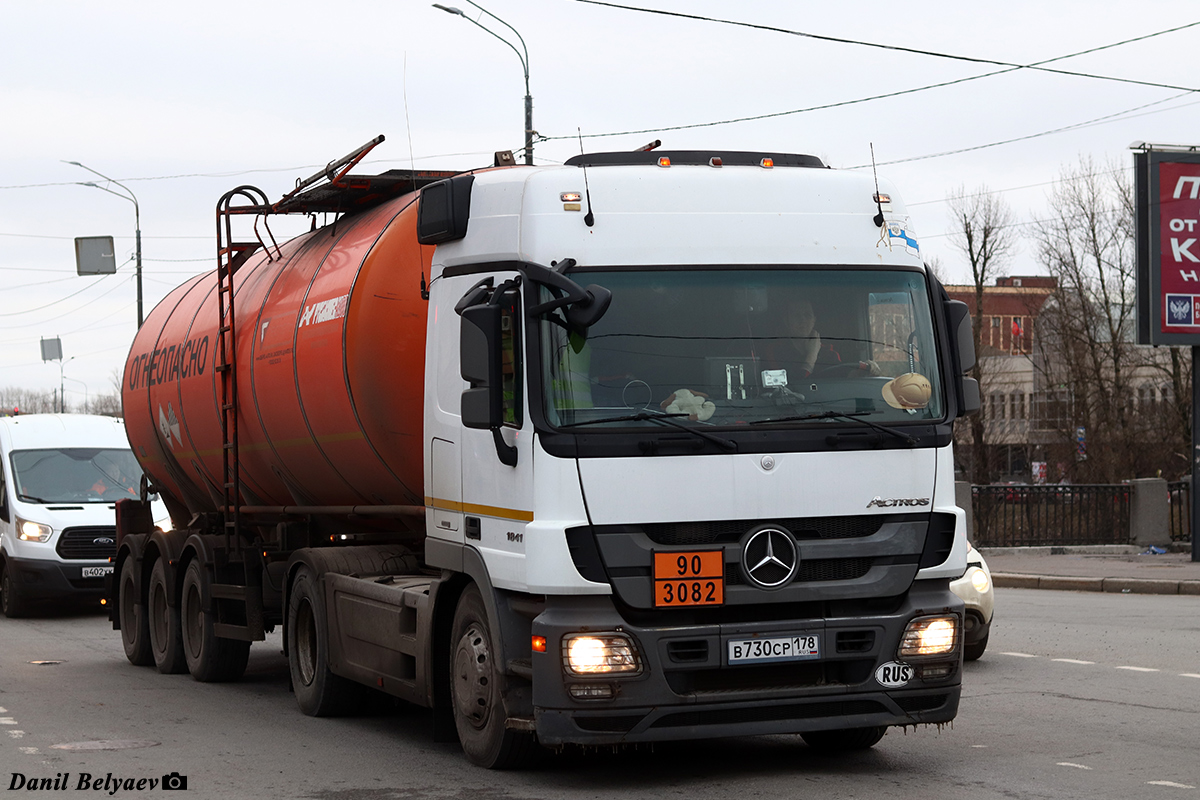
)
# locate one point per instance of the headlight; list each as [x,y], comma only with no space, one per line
[979,579]
[929,636]
[600,654]
[33,531]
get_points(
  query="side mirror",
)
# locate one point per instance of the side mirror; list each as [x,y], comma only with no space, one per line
[958,322]
[480,363]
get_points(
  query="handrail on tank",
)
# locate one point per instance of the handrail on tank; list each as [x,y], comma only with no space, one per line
[348,161]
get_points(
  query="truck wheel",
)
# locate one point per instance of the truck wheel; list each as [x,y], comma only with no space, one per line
[844,740]
[973,652]
[166,641]
[479,714]
[209,658]
[318,691]
[135,631]
[12,601]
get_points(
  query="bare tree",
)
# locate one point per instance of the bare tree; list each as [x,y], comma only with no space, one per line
[983,232]
[1086,331]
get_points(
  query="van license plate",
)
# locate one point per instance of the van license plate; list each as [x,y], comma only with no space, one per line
[801,647]
[96,572]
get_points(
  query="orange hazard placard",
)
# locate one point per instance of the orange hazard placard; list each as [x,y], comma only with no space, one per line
[693,578]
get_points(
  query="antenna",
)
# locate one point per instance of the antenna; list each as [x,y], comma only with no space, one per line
[878,199]
[589,218]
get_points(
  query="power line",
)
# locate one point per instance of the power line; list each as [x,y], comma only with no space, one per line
[1097,121]
[842,103]
[1037,65]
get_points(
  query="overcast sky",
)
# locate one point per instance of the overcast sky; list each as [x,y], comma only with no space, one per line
[181,102]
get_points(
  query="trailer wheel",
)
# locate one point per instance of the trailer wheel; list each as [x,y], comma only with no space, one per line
[166,640]
[209,658]
[479,714]
[318,691]
[844,740]
[135,631]
[12,601]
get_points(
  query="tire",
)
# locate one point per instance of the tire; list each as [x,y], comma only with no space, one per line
[210,659]
[13,602]
[135,630]
[479,714]
[318,691]
[973,652]
[166,639]
[844,740]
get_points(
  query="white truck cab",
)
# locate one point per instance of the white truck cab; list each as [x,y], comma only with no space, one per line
[60,477]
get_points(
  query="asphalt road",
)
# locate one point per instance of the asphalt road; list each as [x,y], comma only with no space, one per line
[1079,696]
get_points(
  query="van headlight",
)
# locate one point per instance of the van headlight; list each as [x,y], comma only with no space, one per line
[600,654]
[33,531]
[929,636]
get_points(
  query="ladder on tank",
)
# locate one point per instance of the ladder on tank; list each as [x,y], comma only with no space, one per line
[231,255]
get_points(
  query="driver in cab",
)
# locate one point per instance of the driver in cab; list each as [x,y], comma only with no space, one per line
[798,348]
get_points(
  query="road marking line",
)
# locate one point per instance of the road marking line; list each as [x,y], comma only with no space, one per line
[8,721]
[1138,669]
[1170,783]
[1069,764]
[1020,655]
[979,745]
[1071,661]
[29,751]
[3,710]
[16,734]
[1188,675]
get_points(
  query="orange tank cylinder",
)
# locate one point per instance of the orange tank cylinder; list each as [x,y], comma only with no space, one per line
[330,368]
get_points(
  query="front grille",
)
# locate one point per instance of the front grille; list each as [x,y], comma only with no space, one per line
[733,716]
[80,543]
[727,531]
[812,570]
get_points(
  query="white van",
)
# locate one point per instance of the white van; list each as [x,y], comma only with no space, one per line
[60,478]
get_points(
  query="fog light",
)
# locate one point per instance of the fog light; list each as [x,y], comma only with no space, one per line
[979,580]
[590,691]
[929,636]
[601,653]
[935,672]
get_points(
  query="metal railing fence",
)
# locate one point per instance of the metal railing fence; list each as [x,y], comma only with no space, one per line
[1180,494]
[1057,514]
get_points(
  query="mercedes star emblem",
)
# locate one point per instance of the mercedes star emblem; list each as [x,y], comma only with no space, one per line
[769,557]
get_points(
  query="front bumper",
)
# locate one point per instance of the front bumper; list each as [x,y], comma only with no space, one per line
[687,690]
[41,579]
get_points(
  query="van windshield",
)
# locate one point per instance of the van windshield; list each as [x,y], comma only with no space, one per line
[75,475]
[736,346]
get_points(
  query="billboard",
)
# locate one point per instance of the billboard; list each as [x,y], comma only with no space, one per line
[1168,242]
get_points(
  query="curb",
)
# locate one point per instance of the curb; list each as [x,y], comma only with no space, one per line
[1016,580]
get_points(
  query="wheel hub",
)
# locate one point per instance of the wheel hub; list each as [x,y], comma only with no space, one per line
[473,677]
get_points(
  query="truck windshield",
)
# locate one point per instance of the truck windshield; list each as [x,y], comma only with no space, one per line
[75,475]
[727,347]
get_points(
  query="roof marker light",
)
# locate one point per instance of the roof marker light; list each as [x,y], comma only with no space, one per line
[767,163]
[663,161]
[715,161]
[570,197]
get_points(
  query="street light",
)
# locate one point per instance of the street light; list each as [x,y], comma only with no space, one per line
[85,390]
[62,397]
[137,217]
[522,54]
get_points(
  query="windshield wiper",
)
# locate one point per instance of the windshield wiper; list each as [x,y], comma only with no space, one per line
[662,419]
[31,499]
[856,416]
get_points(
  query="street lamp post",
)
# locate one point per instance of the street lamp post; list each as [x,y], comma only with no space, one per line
[522,54]
[85,391]
[137,218]
[62,397]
